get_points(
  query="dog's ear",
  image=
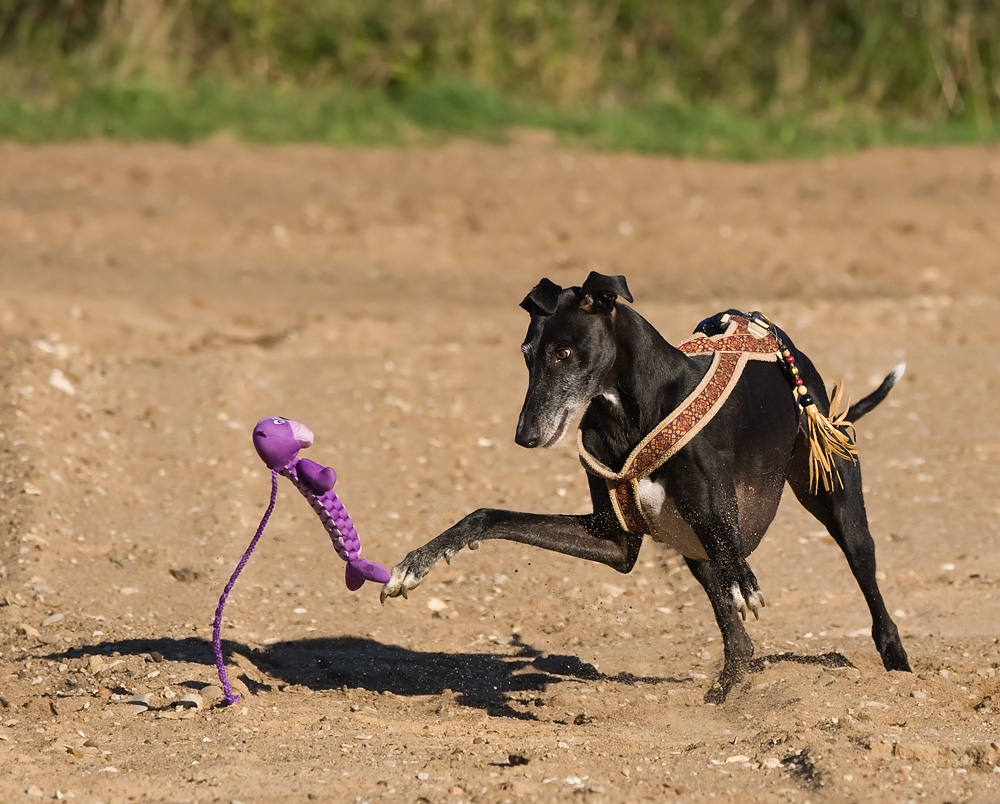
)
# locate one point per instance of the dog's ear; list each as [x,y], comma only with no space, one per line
[543,298]
[603,290]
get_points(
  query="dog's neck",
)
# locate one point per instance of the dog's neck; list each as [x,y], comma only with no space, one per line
[648,380]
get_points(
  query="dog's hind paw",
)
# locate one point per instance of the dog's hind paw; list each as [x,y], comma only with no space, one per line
[753,601]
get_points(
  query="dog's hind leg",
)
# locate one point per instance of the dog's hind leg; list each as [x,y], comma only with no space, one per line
[737,647]
[842,512]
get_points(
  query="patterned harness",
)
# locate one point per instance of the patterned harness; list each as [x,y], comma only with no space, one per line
[745,338]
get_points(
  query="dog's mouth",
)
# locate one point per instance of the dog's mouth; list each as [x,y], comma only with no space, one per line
[559,432]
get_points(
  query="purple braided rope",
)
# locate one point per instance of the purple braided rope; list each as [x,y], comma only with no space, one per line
[220,664]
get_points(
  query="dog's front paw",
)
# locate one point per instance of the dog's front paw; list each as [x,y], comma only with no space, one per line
[401,581]
[409,572]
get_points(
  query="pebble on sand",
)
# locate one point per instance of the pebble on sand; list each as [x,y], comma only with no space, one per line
[140,703]
[191,700]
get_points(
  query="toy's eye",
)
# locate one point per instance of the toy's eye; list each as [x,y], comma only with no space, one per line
[564,353]
[277,421]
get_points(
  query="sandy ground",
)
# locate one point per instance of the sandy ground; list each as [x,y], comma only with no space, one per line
[155,301]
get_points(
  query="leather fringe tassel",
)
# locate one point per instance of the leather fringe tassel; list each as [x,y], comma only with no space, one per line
[830,437]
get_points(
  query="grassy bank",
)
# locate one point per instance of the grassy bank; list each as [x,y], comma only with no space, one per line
[436,112]
[730,78]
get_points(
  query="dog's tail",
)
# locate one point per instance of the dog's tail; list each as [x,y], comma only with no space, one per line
[863,406]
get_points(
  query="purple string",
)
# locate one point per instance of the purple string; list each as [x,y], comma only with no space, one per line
[230,696]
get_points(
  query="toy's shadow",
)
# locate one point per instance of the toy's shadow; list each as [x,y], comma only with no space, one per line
[485,681]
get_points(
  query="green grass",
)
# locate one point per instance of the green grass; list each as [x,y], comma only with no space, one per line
[443,109]
[740,79]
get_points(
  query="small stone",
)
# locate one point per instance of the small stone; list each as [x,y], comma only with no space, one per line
[61,382]
[921,752]
[128,590]
[140,703]
[423,776]
[191,700]
[436,604]
[211,694]
[920,695]
[737,758]
[185,574]
[771,763]
[28,630]
[52,620]
[35,791]
[176,713]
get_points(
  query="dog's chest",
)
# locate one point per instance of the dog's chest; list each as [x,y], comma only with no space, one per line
[666,524]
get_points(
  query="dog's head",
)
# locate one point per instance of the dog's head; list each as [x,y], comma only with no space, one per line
[569,350]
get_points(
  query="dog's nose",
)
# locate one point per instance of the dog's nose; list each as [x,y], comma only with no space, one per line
[530,443]
[526,436]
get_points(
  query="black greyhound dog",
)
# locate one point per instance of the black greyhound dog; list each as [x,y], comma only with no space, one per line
[712,500]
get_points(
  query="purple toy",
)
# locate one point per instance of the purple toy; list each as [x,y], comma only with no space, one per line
[278,442]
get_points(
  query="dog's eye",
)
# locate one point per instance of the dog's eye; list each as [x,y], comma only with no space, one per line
[563,353]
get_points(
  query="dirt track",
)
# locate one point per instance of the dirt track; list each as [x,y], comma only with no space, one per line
[155,301]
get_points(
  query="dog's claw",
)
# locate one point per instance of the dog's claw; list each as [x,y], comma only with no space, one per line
[409,572]
[400,582]
[739,603]
[475,545]
[754,601]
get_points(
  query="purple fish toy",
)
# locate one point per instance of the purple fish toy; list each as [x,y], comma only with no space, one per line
[278,442]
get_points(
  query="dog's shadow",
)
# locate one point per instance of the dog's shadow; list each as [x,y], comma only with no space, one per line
[492,682]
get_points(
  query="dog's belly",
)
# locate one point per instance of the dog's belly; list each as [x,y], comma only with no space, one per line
[669,528]
[667,525]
